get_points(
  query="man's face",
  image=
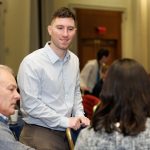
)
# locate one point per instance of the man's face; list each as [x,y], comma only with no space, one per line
[104,60]
[62,32]
[8,93]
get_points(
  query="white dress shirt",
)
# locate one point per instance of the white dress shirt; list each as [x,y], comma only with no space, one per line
[88,76]
[49,88]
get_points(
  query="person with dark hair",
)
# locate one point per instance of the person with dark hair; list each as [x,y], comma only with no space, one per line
[122,120]
[8,99]
[98,86]
[90,74]
[48,80]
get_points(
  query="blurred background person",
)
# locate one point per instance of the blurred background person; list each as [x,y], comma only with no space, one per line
[8,98]
[90,74]
[121,121]
[98,86]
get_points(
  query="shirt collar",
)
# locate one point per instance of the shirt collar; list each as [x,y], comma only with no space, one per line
[53,57]
[67,57]
[3,118]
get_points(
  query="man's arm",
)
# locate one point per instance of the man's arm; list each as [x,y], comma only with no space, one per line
[78,110]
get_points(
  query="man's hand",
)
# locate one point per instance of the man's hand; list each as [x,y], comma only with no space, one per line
[84,121]
[76,122]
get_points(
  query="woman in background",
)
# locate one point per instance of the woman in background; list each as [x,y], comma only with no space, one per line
[121,121]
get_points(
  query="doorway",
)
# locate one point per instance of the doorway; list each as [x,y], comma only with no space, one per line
[97,29]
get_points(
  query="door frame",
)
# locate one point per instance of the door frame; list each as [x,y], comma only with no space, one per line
[74,46]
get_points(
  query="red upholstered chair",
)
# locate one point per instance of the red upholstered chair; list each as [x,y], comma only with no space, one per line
[89,101]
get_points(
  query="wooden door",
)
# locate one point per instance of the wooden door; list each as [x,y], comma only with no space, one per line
[90,40]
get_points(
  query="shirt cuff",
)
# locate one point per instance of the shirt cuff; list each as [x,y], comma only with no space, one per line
[64,122]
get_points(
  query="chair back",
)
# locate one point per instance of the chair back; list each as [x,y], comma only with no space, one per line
[89,101]
[70,139]
[72,136]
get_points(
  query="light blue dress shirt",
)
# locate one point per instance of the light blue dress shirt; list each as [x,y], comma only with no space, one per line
[49,88]
[88,76]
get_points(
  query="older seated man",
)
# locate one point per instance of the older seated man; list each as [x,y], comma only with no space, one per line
[8,98]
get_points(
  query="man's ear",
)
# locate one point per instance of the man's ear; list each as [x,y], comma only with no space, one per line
[75,29]
[49,28]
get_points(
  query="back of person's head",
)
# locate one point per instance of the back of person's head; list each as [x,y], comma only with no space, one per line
[103,52]
[63,12]
[125,99]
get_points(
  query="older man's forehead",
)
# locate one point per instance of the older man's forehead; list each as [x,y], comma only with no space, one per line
[7,77]
[12,85]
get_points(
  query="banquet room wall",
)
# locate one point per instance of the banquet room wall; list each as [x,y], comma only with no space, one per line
[20,28]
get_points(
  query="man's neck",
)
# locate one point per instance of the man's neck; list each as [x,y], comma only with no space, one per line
[59,52]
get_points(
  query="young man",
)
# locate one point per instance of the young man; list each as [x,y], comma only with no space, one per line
[8,98]
[49,85]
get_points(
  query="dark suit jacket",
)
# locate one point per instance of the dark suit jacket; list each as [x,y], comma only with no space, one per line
[97,88]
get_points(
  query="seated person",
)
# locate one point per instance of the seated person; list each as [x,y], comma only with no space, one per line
[122,120]
[90,73]
[98,86]
[8,98]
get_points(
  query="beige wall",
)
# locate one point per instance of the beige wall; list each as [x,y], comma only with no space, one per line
[17,32]
[148,36]
[140,31]
[2,10]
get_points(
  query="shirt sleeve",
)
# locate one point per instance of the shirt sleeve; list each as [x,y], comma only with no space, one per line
[78,106]
[84,76]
